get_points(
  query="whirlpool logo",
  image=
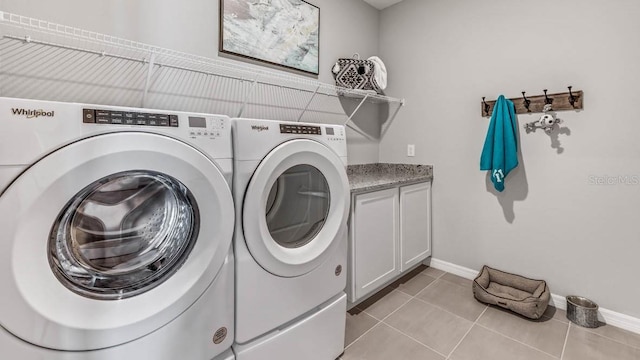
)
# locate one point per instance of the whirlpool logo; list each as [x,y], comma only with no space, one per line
[259,128]
[31,113]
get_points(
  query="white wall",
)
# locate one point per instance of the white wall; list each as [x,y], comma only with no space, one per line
[551,222]
[192,26]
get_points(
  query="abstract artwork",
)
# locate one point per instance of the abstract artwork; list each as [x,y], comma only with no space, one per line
[281,32]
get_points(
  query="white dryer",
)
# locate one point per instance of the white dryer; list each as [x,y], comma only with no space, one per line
[292,203]
[116,233]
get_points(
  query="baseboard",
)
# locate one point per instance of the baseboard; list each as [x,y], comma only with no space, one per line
[454,269]
[558,301]
[610,317]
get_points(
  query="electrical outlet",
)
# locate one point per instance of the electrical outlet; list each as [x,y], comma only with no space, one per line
[411,150]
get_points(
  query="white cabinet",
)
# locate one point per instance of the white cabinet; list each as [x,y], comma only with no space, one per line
[374,234]
[389,233]
[415,224]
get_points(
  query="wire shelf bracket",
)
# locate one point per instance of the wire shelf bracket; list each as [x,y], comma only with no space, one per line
[48,61]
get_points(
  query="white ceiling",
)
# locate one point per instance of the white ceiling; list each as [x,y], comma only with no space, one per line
[381,4]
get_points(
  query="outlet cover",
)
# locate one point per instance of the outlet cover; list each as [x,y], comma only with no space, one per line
[411,150]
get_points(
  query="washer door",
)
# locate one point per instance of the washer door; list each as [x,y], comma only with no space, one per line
[110,238]
[296,207]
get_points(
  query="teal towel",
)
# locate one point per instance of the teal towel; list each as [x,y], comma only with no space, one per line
[500,151]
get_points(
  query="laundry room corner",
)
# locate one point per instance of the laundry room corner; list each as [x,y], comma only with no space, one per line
[567,218]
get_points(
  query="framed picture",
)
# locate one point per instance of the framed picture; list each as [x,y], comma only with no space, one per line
[280,32]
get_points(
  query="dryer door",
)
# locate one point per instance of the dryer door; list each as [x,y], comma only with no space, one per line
[296,207]
[110,238]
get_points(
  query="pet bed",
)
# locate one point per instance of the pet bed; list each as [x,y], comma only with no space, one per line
[524,296]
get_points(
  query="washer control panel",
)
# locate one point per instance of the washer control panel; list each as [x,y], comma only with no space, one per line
[98,116]
[334,133]
[198,126]
[210,126]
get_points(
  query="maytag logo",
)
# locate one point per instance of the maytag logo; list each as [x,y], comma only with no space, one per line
[32,113]
[259,128]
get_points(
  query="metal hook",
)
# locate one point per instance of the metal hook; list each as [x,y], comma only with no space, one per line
[526,102]
[572,99]
[486,107]
[547,100]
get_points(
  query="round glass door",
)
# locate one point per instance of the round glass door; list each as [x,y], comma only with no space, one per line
[112,216]
[123,235]
[297,206]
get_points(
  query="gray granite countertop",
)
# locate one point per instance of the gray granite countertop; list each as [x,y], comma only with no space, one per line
[371,177]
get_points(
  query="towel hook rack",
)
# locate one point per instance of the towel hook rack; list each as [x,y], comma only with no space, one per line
[572,99]
[486,107]
[547,100]
[526,102]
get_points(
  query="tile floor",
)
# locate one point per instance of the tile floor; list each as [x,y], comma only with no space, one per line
[432,315]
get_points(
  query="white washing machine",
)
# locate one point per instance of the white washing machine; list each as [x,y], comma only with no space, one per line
[116,233]
[292,203]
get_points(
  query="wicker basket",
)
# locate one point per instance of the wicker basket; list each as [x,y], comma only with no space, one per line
[582,311]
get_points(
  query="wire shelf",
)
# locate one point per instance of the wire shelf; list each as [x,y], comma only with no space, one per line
[48,61]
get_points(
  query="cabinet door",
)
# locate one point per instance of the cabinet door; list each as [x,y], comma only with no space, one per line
[415,224]
[375,240]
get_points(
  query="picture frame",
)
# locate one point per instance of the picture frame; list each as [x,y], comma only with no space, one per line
[285,33]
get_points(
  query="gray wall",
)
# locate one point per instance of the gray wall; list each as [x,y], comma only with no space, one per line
[192,26]
[553,221]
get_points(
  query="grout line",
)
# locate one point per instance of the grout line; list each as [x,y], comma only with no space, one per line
[363,334]
[518,341]
[437,277]
[403,304]
[452,313]
[411,297]
[399,307]
[455,283]
[566,339]
[467,333]
[610,338]
[441,275]
[416,340]
[434,280]
[428,286]
[554,319]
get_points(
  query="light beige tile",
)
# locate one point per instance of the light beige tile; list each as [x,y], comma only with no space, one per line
[375,297]
[433,272]
[384,343]
[432,326]
[455,298]
[457,280]
[586,345]
[620,335]
[546,335]
[555,313]
[384,306]
[415,284]
[483,344]
[358,322]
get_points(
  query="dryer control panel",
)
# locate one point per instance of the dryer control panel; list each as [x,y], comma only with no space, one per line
[331,133]
[300,129]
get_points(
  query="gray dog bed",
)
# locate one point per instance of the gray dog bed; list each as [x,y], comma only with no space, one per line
[524,296]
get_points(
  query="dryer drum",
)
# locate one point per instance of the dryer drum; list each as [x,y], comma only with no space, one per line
[297,206]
